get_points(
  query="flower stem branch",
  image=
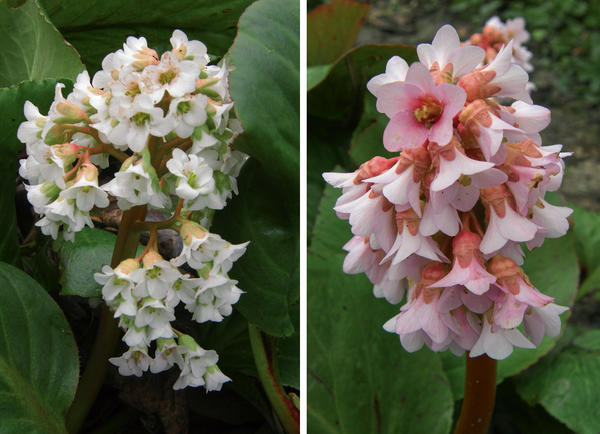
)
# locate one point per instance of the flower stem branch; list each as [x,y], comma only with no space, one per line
[107,336]
[480,392]
[268,372]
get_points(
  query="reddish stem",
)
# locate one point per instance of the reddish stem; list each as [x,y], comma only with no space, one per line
[480,392]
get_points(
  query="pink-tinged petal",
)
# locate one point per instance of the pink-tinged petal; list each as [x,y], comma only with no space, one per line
[450,171]
[360,257]
[534,326]
[550,315]
[531,118]
[405,245]
[465,59]
[503,60]
[509,314]
[339,180]
[466,197]
[515,227]
[489,178]
[427,227]
[403,131]
[445,41]
[449,300]
[412,342]
[492,344]
[395,70]
[390,324]
[384,230]
[384,178]
[476,303]
[429,249]
[404,191]
[350,195]
[532,296]
[432,323]
[493,239]
[419,76]
[552,218]
[513,84]
[516,338]
[427,54]
[396,97]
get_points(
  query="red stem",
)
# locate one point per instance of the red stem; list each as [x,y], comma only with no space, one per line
[480,392]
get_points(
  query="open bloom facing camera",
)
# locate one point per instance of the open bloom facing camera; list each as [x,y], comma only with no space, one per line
[444,220]
[168,122]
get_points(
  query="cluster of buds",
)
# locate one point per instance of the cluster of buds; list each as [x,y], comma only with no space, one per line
[447,216]
[496,34]
[168,122]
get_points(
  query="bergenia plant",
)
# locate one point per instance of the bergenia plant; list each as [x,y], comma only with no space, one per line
[146,132]
[444,221]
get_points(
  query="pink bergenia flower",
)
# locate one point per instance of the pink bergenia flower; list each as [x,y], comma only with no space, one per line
[418,109]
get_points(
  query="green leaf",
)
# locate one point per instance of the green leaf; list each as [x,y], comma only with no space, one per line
[98,27]
[32,48]
[332,29]
[587,241]
[265,87]
[360,378]
[288,354]
[268,271]
[12,100]
[92,249]
[559,282]
[39,366]
[340,95]
[567,384]
[316,74]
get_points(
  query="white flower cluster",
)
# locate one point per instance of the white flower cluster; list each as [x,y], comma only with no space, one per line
[144,296]
[169,122]
[135,108]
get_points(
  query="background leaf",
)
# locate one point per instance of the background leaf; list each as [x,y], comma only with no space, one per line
[360,378]
[92,249]
[36,389]
[32,48]
[566,384]
[98,27]
[265,86]
[332,29]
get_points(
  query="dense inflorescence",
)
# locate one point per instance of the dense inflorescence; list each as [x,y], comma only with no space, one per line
[447,216]
[169,122]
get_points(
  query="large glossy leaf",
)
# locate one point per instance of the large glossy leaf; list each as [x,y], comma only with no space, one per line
[332,28]
[39,365]
[587,241]
[12,100]
[268,271]
[265,87]
[79,260]
[566,383]
[98,27]
[32,48]
[360,378]
[557,281]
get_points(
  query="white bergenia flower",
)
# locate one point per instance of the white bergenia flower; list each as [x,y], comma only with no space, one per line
[170,75]
[214,378]
[196,360]
[133,186]
[157,317]
[189,111]
[134,362]
[194,176]
[189,50]
[62,211]
[166,355]
[41,195]
[214,299]
[85,190]
[160,276]
[30,131]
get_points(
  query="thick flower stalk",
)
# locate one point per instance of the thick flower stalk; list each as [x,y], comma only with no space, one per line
[444,221]
[167,125]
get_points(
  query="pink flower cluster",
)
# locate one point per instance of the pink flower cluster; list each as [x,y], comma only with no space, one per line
[447,216]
